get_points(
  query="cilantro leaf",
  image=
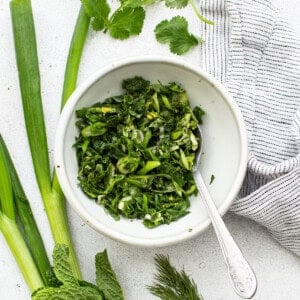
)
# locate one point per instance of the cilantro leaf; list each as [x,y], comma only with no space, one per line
[137,3]
[175,33]
[68,292]
[106,278]
[61,265]
[126,21]
[98,10]
[176,3]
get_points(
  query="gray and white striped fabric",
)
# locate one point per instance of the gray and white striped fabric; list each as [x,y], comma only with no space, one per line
[256,55]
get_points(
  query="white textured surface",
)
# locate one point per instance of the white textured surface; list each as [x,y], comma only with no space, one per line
[277,270]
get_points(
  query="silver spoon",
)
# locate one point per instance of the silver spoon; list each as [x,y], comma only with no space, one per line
[241,274]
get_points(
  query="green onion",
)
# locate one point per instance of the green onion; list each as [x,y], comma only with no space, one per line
[29,77]
[25,215]
[6,192]
[10,229]
[75,53]
[21,253]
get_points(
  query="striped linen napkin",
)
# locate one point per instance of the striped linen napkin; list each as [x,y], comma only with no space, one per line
[253,51]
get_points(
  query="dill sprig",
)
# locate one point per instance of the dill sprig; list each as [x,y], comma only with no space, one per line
[170,284]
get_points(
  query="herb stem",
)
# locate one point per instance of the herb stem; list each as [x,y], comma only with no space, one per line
[21,253]
[75,53]
[192,3]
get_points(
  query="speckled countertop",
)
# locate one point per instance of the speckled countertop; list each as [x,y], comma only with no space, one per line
[277,270]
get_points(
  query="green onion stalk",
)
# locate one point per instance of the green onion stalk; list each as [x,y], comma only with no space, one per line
[10,229]
[29,79]
[19,206]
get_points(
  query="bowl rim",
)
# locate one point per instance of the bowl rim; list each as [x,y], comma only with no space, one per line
[70,195]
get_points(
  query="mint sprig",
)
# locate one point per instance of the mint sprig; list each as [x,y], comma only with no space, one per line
[107,287]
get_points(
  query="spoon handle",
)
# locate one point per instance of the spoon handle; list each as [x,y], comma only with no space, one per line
[241,274]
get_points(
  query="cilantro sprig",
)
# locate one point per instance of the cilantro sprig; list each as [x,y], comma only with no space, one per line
[175,33]
[128,20]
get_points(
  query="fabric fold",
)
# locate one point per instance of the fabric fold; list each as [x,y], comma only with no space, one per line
[258,60]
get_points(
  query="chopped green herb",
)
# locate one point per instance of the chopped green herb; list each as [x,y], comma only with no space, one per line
[212,178]
[140,166]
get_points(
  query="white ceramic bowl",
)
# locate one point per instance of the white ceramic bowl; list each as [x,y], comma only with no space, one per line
[224,137]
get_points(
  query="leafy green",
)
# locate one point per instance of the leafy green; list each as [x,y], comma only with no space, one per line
[175,33]
[176,3]
[107,287]
[171,284]
[199,113]
[106,278]
[140,166]
[99,11]
[126,21]
[137,3]
[68,292]
[61,265]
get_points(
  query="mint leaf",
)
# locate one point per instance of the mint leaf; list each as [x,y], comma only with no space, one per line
[68,292]
[98,10]
[126,21]
[175,33]
[72,289]
[176,3]
[61,265]
[106,278]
